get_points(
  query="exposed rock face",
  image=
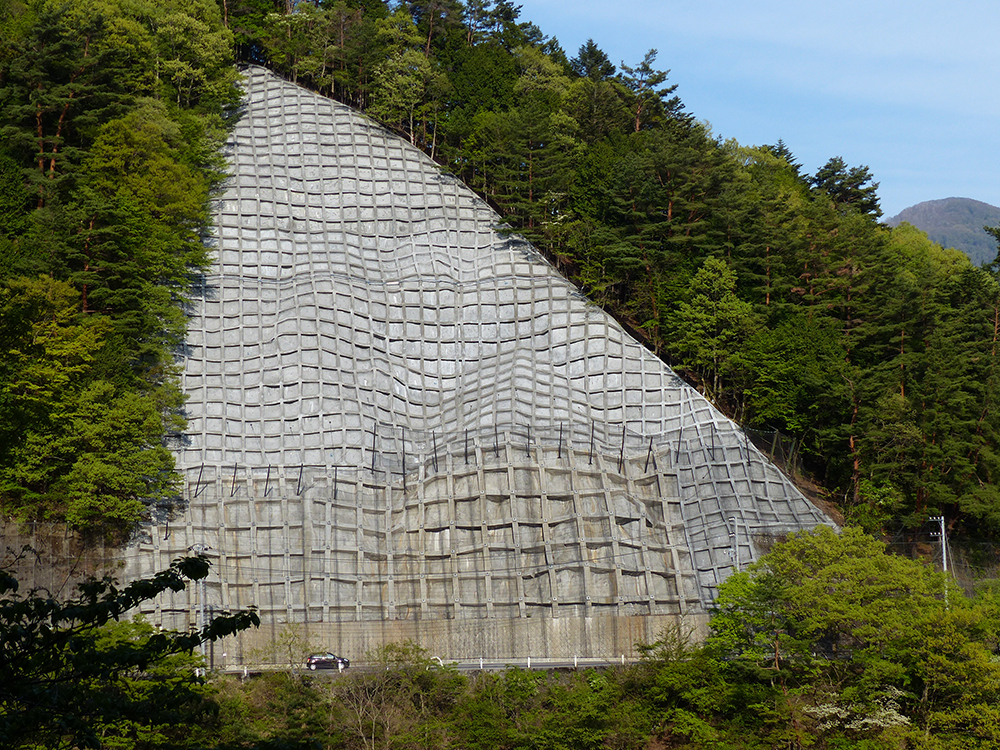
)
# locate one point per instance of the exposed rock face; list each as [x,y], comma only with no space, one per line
[404,423]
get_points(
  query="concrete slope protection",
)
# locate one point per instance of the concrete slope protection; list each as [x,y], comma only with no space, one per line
[405,423]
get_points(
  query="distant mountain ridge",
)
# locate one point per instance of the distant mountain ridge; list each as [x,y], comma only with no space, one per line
[957,223]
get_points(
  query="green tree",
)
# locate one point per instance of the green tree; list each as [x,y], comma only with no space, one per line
[194,55]
[407,87]
[111,116]
[49,352]
[596,100]
[591,62]
[925,356]
[878,641]
[138,216]
[435,18]
[794,375]
[850,188]
[78,433]
[401,700]
[482,79]
[50,94]
[503,709]
[286,39]
[14,200]
[650,97]
[247,20]
[995,233]
[71,682]
[781,151]
[687,687]
[711,326]
[543,144]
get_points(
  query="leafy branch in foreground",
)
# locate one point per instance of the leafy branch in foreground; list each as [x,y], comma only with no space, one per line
[72,676]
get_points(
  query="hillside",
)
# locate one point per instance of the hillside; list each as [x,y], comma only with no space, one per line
[778,295]
[435,344]
[957,223]
[408,408]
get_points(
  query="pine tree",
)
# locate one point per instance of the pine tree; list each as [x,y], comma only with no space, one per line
[650,98]
[591,63]
[848,188]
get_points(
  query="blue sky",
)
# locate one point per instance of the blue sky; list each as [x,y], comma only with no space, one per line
[910,89]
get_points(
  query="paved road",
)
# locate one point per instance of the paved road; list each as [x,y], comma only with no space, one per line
[467,665]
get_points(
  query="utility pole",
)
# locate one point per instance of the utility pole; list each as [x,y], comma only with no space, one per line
[944,551]
[200,549]
[944,541]
[734,543]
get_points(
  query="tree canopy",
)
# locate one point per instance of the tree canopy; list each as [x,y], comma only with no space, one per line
[76,674]
[112,116]
[873,348]
[862,644]
[828,641]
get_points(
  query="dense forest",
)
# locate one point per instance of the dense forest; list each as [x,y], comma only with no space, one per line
[827,642]
[111,120]
[777,293]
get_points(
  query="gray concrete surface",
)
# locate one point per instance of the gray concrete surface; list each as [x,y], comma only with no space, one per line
[405,423]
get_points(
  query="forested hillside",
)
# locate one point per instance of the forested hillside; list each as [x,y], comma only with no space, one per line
[955,222]
[111,117]
[777,293]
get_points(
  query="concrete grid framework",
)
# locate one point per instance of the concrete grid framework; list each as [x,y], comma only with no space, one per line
[400,415]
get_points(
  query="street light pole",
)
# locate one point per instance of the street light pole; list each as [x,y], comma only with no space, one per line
[200,549]
[734,543]
[944,542]
[944,552]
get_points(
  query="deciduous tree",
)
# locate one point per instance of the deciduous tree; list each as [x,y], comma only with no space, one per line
[69,681]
